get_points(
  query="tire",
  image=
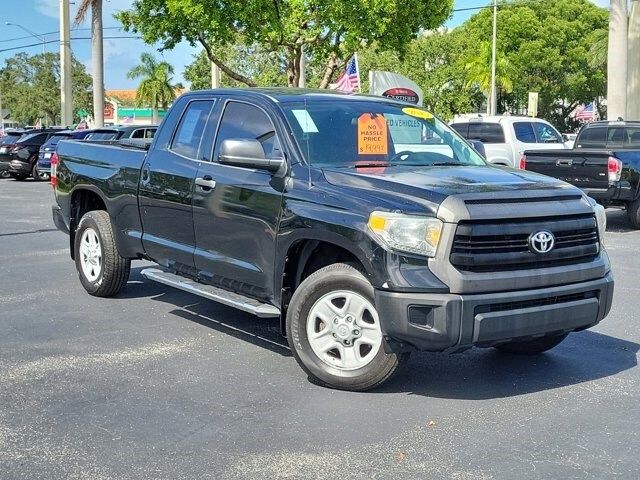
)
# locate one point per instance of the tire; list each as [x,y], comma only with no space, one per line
[633,212]
[18,176]
[532,347]
[5,174]
[37,176]
[349,355]
[101,269]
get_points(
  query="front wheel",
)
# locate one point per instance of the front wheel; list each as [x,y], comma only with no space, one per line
[334,330]
[532,347]
[101,269]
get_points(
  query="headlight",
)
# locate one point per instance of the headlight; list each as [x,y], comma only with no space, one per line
[407,233]
[601,219]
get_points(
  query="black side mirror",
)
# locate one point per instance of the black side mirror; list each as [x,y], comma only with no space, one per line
[248,153]
[478,146]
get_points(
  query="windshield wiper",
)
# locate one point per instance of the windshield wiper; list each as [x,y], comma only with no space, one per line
[446,164]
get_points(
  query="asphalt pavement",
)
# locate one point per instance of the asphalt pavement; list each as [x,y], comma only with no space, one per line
[160,384]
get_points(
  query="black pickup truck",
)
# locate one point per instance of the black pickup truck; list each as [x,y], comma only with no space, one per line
[604,162]
[366,225]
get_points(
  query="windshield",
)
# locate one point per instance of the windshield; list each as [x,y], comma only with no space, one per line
[354,133]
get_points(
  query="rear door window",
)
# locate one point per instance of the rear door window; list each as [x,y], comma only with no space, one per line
[524,132]
[592,137]
[546,133]
[188,135]
[486,132]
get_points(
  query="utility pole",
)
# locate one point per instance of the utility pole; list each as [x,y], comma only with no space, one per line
[66,92]
[617,61]
[215,76]
[491,107]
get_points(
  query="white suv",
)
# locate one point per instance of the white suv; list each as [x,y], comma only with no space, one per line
[506,137]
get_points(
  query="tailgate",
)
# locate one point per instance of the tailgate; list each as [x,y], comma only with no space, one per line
[583,168]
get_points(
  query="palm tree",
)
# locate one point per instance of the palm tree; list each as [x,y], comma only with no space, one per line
[96,55]
[617,64]
[478,72]
[155,89]
[598,49]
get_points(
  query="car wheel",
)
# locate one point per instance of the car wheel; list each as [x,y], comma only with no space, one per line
[4,174]
[37,175]
[334,331]
[532,347]
[633,212]
[101,269]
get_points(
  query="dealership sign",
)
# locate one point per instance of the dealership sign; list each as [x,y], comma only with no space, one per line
[393,85]
[404,94]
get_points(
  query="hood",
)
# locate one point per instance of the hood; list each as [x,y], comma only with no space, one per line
[434,184]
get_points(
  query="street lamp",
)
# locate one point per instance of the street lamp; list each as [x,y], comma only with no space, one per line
[33,34]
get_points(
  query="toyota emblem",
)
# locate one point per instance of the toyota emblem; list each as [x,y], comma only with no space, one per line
[541,242]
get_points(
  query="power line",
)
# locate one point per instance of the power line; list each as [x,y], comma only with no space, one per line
[55,32]
[58,41]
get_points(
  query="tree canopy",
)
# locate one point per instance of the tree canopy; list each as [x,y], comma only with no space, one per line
[30,87]
[331,30]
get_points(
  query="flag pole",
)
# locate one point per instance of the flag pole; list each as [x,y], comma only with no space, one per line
[355,55]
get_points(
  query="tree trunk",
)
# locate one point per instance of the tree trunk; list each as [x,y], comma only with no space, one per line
[294,55]
[332,64]
[155,116]
[617,61]
[633,67]
[97,63]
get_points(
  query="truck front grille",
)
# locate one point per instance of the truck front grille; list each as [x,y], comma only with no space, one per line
[499,245]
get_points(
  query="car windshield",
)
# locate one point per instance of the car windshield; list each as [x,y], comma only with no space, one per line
[354,132]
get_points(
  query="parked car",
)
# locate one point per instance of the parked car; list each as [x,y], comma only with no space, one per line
[7,142]
[119,132]
[368,227]
[48,148]
[604,162]
[21,160]
[506,137]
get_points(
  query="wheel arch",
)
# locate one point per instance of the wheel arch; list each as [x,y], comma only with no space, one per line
[308,254]
[83,199]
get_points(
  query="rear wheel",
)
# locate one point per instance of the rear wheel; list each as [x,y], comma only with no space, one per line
[37,175]
[532,347]
[101,269]
[633,212]
[334,331]
[4,174]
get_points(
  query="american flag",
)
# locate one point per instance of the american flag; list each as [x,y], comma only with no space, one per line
[586,112]
[350,80]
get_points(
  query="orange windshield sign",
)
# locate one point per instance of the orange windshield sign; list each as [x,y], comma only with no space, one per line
[372,135]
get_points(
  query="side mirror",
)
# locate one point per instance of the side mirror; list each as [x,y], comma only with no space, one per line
[247,153]
[478,146]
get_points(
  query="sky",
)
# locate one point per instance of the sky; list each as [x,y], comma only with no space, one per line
[120,54]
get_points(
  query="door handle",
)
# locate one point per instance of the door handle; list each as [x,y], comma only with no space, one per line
[564,162]
[206,182]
